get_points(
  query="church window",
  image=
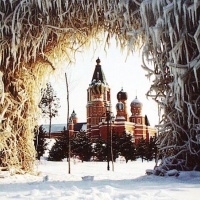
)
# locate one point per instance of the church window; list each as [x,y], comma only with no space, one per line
[108,95]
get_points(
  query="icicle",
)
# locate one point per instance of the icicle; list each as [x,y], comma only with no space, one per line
[13,31]
[121,5]
[191,109]
[196,5]
[136,2]
[66,5]
[186,51]
[191,13]
[197,37]
[48,5]
[195,72]
[158,7]
[179,6]
[154,8]
[152,33]
[145,5]
[157,32]
[39,4]
[167,9]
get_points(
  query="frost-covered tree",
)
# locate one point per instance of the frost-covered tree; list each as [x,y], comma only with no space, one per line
[172,33]
[49,104]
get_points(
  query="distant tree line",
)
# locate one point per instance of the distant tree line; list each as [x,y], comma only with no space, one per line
[85,150]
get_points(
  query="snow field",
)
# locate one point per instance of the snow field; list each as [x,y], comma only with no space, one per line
[127,182]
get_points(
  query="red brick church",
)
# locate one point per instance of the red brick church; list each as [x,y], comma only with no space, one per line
[100,119]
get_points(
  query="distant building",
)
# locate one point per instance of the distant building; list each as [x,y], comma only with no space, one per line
[98,100]
[98,125]
[76,127]
[57,130]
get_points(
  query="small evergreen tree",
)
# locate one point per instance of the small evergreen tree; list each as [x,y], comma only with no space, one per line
[141,149]
[82,147]
[147,149]
[127,147]
[74,141]
[49,104]
[59,150]
[100,151]
[40,141]
[151,149]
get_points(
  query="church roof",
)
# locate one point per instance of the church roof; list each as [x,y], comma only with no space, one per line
[147,123]
[73,115]
[136,103]
[55,128]
[82,126]
[121,95]
[98,73]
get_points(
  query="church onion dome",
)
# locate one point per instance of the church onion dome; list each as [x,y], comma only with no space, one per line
[122,95]
[120,106]
[73,115]
[98,61]
[98,87]
[136,103]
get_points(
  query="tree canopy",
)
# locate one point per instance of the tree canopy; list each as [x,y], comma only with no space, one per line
[49,103]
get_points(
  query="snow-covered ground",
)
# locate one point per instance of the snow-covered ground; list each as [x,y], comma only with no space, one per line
[128,181]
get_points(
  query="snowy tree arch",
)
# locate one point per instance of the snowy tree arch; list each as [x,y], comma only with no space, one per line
[36,35]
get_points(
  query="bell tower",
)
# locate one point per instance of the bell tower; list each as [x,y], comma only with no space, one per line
[98,96]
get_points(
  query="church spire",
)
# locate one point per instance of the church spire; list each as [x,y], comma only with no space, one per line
[98,61]
[98,73]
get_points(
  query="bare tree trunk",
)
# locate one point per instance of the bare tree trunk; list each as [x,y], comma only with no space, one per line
[50,124]
[111,147]
[69,145]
